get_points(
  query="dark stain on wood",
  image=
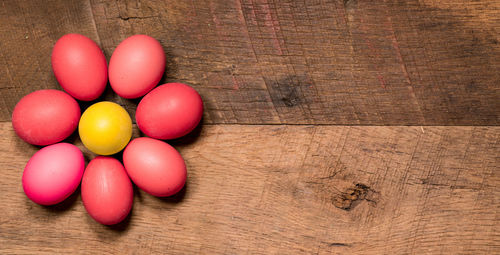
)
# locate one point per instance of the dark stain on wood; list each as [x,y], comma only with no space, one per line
[288,91]
[291,99]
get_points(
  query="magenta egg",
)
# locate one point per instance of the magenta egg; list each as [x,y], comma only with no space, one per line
[53,173]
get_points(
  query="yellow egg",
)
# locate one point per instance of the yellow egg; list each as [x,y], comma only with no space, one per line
[105,128]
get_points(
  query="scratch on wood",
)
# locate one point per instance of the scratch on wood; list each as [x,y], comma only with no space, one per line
[94,24]
[395,44]
[135,17]
[338,244]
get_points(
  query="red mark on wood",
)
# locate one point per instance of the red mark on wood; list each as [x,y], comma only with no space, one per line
[253,17]
[270,22]
[214,17]
[381,80]
[240,12]
[193,8]
[245,25]
[188,26]
[373,50]
[236,85]
[395,45]
[218,24]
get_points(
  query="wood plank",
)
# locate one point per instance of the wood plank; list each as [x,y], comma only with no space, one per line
[288,190]
[278,61]
[28,31]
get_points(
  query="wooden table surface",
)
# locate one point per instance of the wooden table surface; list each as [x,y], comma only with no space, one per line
[330,126]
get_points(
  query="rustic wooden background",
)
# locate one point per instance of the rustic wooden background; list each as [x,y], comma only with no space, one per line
[331,126]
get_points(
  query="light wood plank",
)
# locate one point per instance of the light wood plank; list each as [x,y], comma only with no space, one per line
[287,190]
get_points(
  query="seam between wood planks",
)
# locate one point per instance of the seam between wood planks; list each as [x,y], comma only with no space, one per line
[325,124]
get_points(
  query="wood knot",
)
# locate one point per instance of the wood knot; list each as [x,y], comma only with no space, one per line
[352,196]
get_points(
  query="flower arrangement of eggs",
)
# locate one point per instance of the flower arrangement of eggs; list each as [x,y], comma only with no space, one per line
[47,117]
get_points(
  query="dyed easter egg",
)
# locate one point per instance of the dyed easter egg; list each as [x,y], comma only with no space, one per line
[53,173]
[107,192]
[155,166]
[80,67]
[136,66]
[169,111]
[45,117]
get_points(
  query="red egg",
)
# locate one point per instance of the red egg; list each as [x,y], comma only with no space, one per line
[136,66]
[45,117]
[155,166]
[169,111]
[53,173]
[79,66]
[107,192]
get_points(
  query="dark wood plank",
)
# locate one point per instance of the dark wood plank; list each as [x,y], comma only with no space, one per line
[28,31]
[280,61]
[287,190]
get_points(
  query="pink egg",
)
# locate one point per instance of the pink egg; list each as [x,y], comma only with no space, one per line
[80,67]
[107,192]
[169,111]
[45,117]
[136,66]
[53,173]
[155,166]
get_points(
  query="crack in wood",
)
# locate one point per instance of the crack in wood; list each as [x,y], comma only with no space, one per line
[135,17]
[338,244]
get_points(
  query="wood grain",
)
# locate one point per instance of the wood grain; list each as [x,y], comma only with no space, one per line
[259,181]
[287,190]
[347,62]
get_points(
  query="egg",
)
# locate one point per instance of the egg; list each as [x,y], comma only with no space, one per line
[45,117]
[105,128]
[107,192]
[169,111]
[53,173]
[136,66]
[155,166]
[80,67]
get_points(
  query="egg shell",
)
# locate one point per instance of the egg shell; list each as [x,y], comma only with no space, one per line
[155,166]
[107,192]
[45,117]
[136,66]
[80,67]
[105,128]
[169,111]
[53,173]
